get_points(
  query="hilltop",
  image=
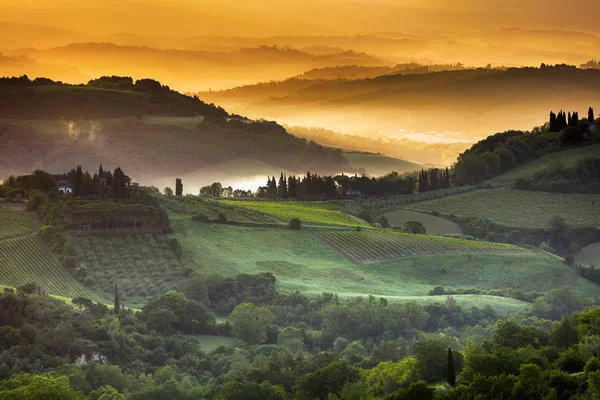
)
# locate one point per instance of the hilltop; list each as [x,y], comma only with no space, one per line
[444,102]
[142,126]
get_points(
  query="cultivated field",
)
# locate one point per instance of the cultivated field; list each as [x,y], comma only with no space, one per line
[518,208]
[589,255]
[379,165]
[301,261]
[309,213]
[142,265]
[433,225]
[27,259]
[371,246]
[212,208]
[14,223]
[566,159]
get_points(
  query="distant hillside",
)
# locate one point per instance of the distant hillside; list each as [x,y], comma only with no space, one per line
[145,128]
[471,102]
[379,165]
[188,70]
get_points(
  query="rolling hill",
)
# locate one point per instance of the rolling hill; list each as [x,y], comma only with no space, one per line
[565,159]
[302,261]
[519,209]
[55,127]
[433,104]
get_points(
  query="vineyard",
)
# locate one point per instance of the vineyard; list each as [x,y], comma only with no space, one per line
[370,246]
[310,213]
[142,265]
[27,259]
[14,223]
[518,208]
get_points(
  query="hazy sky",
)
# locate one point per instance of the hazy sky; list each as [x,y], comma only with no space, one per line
[272,17]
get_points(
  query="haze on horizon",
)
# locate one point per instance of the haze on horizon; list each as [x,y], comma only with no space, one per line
[203,46]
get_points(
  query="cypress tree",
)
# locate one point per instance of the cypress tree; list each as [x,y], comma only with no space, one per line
[569,119]
[591,115]
[447,178]
[78,182]
[178,187]
[451,371]
[117,306]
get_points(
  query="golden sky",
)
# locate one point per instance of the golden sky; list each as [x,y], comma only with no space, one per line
[273,17]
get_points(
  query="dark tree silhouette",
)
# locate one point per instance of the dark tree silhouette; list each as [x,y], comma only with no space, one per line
[117,305]
[591,115]
[78,182]
[451,372]
[178,187]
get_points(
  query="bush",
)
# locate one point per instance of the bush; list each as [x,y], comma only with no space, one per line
[367,216]
[222,218]
[201,218]
[415,227]
[295,224]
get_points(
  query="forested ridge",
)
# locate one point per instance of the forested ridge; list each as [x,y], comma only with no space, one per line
[117,121]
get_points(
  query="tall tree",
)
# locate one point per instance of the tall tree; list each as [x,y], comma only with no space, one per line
[78,182]
[178,187]
[282,189]
[117,305]
[591,115]
[451,372]
[119,184]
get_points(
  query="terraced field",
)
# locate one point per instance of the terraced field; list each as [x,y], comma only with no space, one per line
[380,245]
[517,208]
[567,159]
[27,259]
[308,212]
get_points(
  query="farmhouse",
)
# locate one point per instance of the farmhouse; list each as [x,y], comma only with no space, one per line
[64,187]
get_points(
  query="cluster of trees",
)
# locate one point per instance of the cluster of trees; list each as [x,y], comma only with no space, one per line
[502,152]
[559,122]
[102,184]
[311,186]
[434,179]
[290,346]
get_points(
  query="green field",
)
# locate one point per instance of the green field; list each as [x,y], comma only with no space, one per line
[213,208]
[433,225]
[14,223]
[300,261]
[27,259]
[209,342]
[142,265]
[308,212]
[520,209]
[566,159]
[589,255]
[371,246]
[380,165]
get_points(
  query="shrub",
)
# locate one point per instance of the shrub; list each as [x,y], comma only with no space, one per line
[295,224]
[222,218]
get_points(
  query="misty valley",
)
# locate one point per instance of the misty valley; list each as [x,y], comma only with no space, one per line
[301,200]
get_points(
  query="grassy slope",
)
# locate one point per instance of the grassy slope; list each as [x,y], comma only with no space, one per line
[567,158]
[379,165]
[517,208]
[308,212]
[590,255]
[301,262]
[14,222]
[28,259]
[433,225]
